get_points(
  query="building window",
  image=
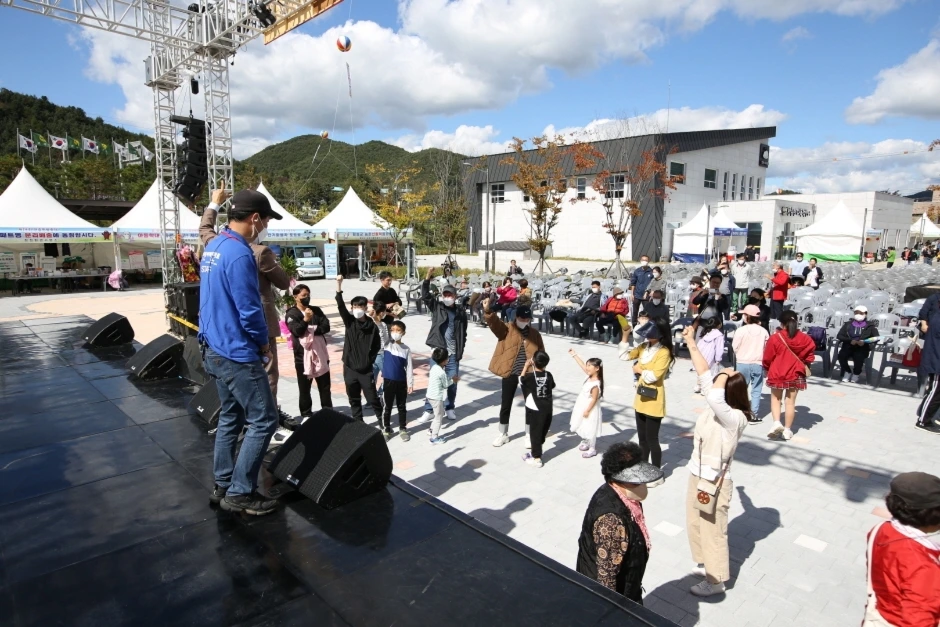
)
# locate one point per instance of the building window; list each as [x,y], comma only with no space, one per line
[724,190]
[615,186]
[734,186]
[758,189]
[750,188]
[525,198]
[497,192]
[711,178]
[741,188]
[582,188]
[677,171]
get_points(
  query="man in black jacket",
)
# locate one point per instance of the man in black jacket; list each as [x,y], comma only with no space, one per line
[712,297]
[387,296]
[448,331]
[360,348]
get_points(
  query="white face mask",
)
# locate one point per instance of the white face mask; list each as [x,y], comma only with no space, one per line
[644,263]
[359,313]
[860,317]
[620,296]
[263,235]
[724,272]
[448,301]
[396,336]
[656,301]
[595,289]
[656,274]
[521,324]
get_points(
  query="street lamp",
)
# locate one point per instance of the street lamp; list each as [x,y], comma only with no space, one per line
[486,231]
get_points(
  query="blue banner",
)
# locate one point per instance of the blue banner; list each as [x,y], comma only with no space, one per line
[729,232]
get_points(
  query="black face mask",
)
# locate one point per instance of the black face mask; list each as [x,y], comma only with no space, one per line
[305,301]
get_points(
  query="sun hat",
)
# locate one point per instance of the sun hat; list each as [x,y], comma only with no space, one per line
[640,472]
[750,310]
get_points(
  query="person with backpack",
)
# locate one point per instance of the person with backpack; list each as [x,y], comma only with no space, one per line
[855,336]
[787,357]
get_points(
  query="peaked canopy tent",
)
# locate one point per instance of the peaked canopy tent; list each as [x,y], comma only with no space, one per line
[353,220]
[693,239]
[288,228]
[30,218]
[837,236]
[924,229]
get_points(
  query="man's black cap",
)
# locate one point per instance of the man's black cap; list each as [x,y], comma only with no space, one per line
[248,201]
[524,311]
[918,490]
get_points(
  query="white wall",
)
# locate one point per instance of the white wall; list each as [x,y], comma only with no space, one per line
[767,212]
[893,214]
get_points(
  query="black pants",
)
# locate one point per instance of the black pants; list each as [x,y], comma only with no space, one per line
[776,309]
[539,422]
[396,393]
[604,319]
[890,264]
[858,355]
[510,384]
[357,384]
[304,385]
[647,429]
[581,317]
[931,402]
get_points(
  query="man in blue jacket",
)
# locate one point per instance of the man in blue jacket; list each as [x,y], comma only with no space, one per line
[234,339]
[639,281]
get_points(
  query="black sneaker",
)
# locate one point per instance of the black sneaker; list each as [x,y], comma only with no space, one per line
[929,427]
[283,418]
[292,424]
[253,504]
[218,493]
[754,421]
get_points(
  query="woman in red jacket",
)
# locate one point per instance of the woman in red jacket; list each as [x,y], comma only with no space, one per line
[787,356]
[904,556]
[616,305]
[507,296]
[779,285]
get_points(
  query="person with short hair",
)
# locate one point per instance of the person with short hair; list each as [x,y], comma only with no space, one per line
[398,380]
[513,268]
[361,346]
[855,336]
[387,295]
[712,297]
[741,273]
[308,326]
[748,344]
[448,331]
[582,319]
[797,265]
[780,284]
[438,382]
[812,274]
[615,309]
[655,307]
[537,387]
[615,543]
[640,280]
[507,294]
[891,256]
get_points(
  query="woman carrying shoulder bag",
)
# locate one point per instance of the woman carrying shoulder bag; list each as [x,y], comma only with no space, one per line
[787,357]
[708,498]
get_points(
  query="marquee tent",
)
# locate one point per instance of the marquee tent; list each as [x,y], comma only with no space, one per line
[141,225]
[353,220]
[930,230]
[692,240]
[837,236]
[288,228]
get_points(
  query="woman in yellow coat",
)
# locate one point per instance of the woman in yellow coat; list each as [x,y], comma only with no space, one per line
[652,361]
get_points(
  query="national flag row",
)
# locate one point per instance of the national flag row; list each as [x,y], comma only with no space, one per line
[131,151]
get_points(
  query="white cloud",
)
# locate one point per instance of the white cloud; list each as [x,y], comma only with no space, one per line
[466,140]
[796,33]
[835,167]
[909,89]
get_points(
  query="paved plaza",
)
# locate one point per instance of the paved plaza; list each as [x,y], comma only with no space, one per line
[800,511]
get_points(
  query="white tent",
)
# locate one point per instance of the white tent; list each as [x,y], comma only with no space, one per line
[30,217]
[141,225]
[837,236]
[930,230]
[693,239]
[353,220]
[288,228]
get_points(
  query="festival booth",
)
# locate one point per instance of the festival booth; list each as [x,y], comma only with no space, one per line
[924,230]
[36,229]
[837,236]
[704,233]
[356,236]
[136,244]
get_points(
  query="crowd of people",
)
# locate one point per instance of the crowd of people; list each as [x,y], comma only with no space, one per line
[614,546]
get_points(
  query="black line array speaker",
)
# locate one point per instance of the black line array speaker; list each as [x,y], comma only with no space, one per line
[157,360]
[112,330]
[206,403]
[333,459]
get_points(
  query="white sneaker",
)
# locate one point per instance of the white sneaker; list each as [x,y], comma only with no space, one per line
[777,429]
[787,434]
[501,439]
[426,417]
[699,570]
[450,414]
[854,378]
[705,589]
[846,377]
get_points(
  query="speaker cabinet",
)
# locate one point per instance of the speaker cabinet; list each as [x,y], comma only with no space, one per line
[157,360]
[112,330]
[191,365]
[333,459]
[206,403]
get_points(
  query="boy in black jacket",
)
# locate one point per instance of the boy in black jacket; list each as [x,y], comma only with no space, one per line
[360,348]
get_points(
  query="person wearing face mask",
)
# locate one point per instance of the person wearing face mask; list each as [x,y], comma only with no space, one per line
[448,331]
[516,343]
[904,556]
[712,297]
[615,543]
[361,346]
[779,285]
[658,283]
[696,287]
[741,273]
[582,319]
[235,342]
[507,296]
[812,274]
[308,328]
[797,265]
[728,283]
[855,335]
[270,273]
[640,280]
[615,309]
[484,292]
[655,308]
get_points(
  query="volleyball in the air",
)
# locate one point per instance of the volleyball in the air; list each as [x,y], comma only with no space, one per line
[325,134]
[344,43]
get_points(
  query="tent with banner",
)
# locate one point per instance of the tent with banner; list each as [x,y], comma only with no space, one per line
[289,228]
[924,230]
[837,236]
[353,220]
[137,234]
[693,239]
[36,227]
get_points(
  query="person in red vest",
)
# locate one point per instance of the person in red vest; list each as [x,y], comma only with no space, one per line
[779,284]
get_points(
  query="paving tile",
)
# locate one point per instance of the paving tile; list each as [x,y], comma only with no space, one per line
[847,420]
[882,512]
[868,411]
[404,464]
[810,543]
[669,529]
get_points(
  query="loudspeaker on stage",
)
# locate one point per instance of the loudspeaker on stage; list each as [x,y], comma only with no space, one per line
[112,330]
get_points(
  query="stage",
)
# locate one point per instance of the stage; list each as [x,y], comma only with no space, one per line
[104,520]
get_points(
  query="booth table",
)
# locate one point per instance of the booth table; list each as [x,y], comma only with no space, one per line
[64,282]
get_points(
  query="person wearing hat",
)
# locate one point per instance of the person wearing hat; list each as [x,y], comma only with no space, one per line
[270,274]
[904,556]
[715,439]
[855,336]
[615,309]
[448,331]
[615,543]
[748,344]
[655,308]
[236,343]
[516,343]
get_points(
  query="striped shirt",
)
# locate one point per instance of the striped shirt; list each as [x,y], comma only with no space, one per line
[519,363]
[438,382]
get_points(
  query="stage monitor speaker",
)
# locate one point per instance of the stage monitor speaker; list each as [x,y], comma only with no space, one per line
[157,360]
[112,330]
[333,459]
[206,403]
[191,365]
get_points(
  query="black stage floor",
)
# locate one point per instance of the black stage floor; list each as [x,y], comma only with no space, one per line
[104,520]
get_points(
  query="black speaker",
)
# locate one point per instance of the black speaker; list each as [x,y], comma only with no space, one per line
[191,365]
[206,403]
[112,330]
[157,360]
[333,459]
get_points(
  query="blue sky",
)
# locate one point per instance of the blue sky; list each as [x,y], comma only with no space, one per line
[471,75]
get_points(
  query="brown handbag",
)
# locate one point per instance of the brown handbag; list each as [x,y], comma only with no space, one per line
[706,495]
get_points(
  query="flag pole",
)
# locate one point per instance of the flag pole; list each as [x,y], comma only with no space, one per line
[33,153]
[17,142]
[49,139]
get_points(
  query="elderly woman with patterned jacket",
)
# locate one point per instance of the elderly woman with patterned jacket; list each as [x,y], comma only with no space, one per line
[856,336]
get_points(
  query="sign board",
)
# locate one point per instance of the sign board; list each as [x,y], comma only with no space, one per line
[135,260]
[29,258]
[730,232]
[47,264]
[795,212]
[154,259]
[366,234]
[331,260]
[292,13]
[7,262]
[45,235]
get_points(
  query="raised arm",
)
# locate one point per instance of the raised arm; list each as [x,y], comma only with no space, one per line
[578,359]
[341,304]
[496,326]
